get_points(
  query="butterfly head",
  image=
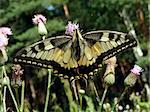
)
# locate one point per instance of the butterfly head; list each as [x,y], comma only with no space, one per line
[71,28]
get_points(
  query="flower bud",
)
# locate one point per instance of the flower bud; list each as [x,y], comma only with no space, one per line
[130,80]
[109,75]
[109,79]
[42,29]
[81,91]
[6,81]
[107,107]
[127,107]
[104,106]
[40,20]
[137,107]
[120,107]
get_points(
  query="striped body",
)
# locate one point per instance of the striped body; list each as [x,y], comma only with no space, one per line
[77,54]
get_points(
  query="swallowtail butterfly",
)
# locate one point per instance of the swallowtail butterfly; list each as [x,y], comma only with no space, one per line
[74,54]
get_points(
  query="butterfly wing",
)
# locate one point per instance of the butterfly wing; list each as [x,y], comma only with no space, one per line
[54,51]
[104,44]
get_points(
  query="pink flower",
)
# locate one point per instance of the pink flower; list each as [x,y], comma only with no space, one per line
[70,28]
[131,79]
[39,18]
[3,40]
[136,70]
[4,31]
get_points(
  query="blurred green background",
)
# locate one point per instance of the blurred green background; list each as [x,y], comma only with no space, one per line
[91,15]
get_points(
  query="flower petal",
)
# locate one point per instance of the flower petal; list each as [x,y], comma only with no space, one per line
[71,27]
[136,70]
[39,18]
[5,31]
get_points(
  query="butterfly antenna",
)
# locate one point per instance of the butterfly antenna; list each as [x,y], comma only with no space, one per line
[81,31]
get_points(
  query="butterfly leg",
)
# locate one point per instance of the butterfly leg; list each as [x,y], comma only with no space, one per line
[78,83]
[96,92]
[73,84]
[85,78]
[91,77]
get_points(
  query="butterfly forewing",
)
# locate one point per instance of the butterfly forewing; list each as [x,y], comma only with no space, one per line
[44,52]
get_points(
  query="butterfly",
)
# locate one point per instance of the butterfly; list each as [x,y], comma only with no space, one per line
[74,54]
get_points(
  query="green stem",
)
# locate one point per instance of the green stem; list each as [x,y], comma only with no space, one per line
[80,102]
[1,100]
[122,95]
[4,99]
[103,97]
[4,71]
[22,96]
[120,98]
[13,97]
[1,89]
[48,90]
[11,93]
[17,94]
